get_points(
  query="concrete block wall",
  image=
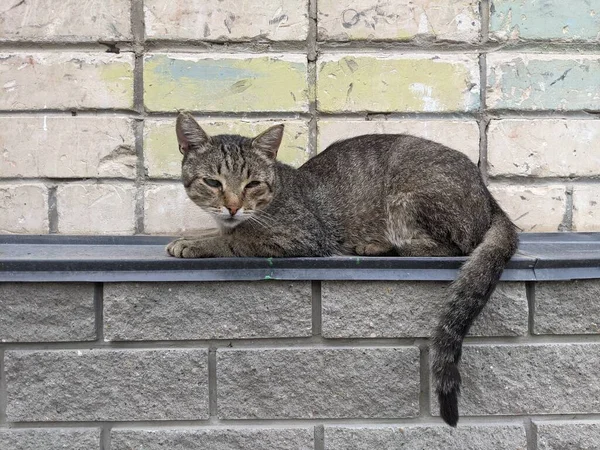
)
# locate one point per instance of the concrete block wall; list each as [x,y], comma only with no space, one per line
[291,366]
[89,92]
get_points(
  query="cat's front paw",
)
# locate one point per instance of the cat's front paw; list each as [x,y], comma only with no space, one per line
[185,248]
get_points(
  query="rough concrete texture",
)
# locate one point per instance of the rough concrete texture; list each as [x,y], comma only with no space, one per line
[533,208]
[318,383]
[214,439]
[465,437]
[529,379]
[85,208]
[571,434]
[407,309]
[462,135]
[542,82]
[41,80]
[225,82]
[216,20]
[567,307]
[50,439]
[550,19]
[170,311]
[95,385]
[67,147]
[429,83]
[71,20]
[543,148]
[586,215]
[24,208]
[398,20]
[162,158]
[168,210]
[46,312]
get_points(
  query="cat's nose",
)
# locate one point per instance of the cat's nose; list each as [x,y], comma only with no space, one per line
[233,210]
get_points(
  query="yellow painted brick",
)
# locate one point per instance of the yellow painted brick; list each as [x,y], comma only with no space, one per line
[163,160]
[217,83]
[532,208]
[462,135]
[24,208]
[66,80]
[383,83]
[67,147]
[586,207]
[168,210]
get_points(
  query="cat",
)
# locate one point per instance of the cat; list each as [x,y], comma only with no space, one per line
[368,195]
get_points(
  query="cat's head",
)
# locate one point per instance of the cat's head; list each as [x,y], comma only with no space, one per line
[230,176]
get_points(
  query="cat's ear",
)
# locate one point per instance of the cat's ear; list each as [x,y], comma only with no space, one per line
[269,141]
[189,134]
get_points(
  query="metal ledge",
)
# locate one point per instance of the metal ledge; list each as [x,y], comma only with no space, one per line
[541,257]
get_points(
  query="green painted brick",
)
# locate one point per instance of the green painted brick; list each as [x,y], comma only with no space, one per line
[548,19]
[543,82]
[421,83]
[225,83]
[163,160]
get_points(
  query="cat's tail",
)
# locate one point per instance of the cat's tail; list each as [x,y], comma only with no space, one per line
[467,297]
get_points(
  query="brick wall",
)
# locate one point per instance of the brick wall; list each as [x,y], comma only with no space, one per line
[89,91]
[291,366]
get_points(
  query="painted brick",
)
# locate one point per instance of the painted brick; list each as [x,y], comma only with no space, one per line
[383,83]
[551,20]
[543,82]
[215,20]
[529,379]
[235,83]
[50,439]
[96,208]
[532,208]
[571,434]
[171,311]
[99,385]
[67,80]
[586,214]
[67,147]
[398,20]
[45,312]
[567,307]
[543,147]
[24,208]
[318,383]
[163,160]
[469,437]
[373,309]
[168,210]
[462,135]
[72,20]
[214,439]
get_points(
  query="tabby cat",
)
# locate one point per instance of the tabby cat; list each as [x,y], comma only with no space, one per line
[368,195]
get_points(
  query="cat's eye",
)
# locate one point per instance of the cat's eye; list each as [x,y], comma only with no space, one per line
[252,184]
[212,183]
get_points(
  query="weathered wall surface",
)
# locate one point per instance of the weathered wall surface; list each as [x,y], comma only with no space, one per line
[86,136]
[332,365]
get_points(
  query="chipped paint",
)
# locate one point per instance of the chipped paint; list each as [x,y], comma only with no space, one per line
[407,83]
[225,82]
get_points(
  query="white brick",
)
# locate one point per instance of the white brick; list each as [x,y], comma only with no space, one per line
[96,208]
[168,210]
[586,207]
[399,20]
[462,135]
[24,208]
[544,147]
[231,21]
[65,20]
[67,147]
[66,80]
[532,208]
